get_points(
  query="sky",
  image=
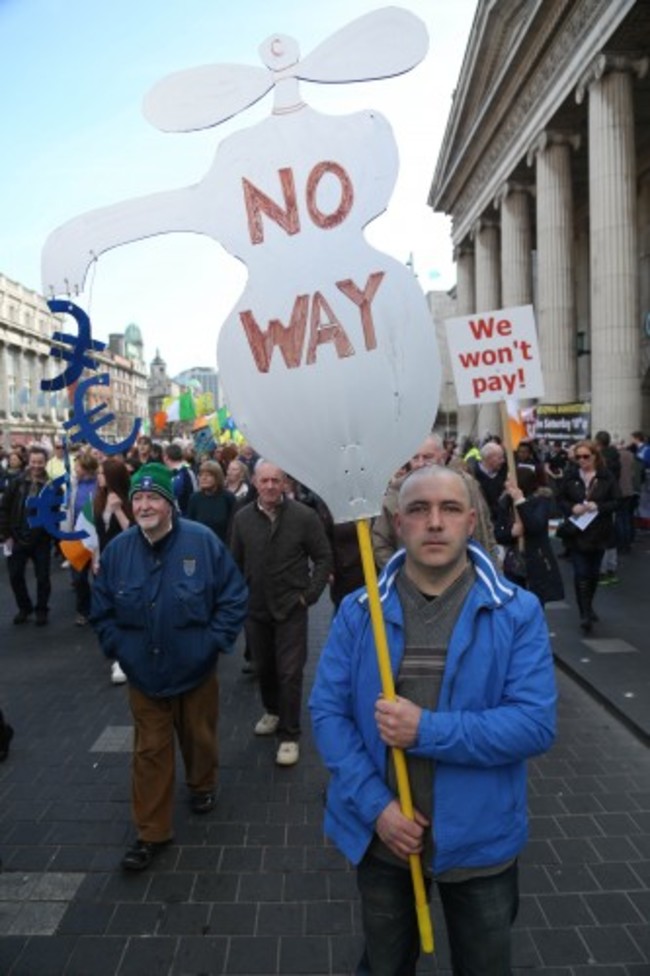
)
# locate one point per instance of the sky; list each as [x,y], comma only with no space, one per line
[73,75]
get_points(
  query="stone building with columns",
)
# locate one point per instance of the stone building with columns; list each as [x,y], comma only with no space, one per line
[545,171]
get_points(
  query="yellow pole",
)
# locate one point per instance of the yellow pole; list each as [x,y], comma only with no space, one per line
[388,688]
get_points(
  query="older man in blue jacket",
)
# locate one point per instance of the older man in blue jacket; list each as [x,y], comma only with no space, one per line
[475,698]
[167,601]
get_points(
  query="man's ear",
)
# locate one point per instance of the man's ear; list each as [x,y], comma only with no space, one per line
[397,524]
[472,522]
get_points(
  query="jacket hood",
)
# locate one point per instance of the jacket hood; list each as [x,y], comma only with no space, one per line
[497,590]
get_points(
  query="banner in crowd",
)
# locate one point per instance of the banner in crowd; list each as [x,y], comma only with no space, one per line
[566,422]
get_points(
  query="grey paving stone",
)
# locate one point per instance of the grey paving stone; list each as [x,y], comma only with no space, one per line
[234,919]
[306,956]
[260,887]
[147,955]
[184,920]
[253,956]
[563,910]
[615,876]
[43,956]
[10,949]
[612,908]
[38,918]
[200,955]
[99,956]
[560,946]
[170,888]
[610,944]
[216,887]
[86,918]
[331,918]
[281,918]
[130,919]
[305,886]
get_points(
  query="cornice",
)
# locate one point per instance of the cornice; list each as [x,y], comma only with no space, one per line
[583,34]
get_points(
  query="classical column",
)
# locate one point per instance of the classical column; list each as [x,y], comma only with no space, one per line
[487,277]
[556,307]
[465,305]
[614,273]
[513,199]
[4,384]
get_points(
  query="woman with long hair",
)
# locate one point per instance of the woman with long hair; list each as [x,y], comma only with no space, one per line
[112,514]
[238,479]
[588,498]
[212,504]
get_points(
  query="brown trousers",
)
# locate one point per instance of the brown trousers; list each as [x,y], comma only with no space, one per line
[193,715]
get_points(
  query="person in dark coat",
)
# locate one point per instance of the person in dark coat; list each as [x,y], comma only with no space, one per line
[589,493]
[523,512]
[212,505]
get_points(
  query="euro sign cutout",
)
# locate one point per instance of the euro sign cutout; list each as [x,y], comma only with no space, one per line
[44,511]
[89,422]
[80,346]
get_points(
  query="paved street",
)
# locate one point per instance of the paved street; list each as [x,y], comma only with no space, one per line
[253,888]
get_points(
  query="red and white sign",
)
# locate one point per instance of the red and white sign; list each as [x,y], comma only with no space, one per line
[495,355]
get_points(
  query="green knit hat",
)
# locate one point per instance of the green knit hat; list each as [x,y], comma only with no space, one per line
[153,477]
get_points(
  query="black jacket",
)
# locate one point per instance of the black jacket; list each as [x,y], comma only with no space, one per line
[275,557]
[604,490]
[13,513]
[542,571]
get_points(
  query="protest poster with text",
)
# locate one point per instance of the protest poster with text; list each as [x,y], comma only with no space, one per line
[495,355]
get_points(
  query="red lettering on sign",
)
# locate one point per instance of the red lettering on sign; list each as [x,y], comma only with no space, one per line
[364,300]
[258,203]
[332,331]
[484,329]
[327,221]
[290,339]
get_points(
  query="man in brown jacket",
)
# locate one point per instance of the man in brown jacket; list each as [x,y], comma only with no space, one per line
[282,549]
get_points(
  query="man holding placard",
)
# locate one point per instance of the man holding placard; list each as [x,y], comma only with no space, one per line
[475,698]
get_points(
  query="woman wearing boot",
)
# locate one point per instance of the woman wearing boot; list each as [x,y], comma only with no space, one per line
[588,494]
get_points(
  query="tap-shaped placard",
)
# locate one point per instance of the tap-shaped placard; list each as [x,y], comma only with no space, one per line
[328,359]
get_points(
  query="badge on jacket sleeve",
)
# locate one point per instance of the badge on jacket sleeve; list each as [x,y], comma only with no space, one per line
[189,567]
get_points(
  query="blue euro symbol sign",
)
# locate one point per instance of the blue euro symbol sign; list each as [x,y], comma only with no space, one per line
[88,422]
[44,511]
[80,346]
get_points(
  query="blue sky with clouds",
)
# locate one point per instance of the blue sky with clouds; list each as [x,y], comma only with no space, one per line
[73,74]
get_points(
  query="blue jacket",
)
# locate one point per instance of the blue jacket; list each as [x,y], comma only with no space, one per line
[166,611]
[496,708]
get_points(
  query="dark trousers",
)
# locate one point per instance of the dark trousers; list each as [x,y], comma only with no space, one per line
[479,914]
[39,553]
[279,652]
[624,521]
[82,591]
[193,716]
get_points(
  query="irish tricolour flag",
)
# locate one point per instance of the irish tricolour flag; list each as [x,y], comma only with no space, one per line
[79,552]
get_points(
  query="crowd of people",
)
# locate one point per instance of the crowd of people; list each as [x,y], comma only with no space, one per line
[192,550]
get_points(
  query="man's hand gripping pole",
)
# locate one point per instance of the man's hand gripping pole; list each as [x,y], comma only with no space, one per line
[388,688]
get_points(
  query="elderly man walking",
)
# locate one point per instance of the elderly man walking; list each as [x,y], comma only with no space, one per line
[283,551]
[168,600]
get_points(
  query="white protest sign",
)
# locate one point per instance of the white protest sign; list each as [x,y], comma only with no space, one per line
[495,355]
[329,358]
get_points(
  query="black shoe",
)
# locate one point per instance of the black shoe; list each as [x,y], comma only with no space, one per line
[22,616]
[41,618]
[202,802]
[6,735]
[140,855]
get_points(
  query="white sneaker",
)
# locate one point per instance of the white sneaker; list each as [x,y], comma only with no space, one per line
[267,724]
[117,675]
[288,754]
